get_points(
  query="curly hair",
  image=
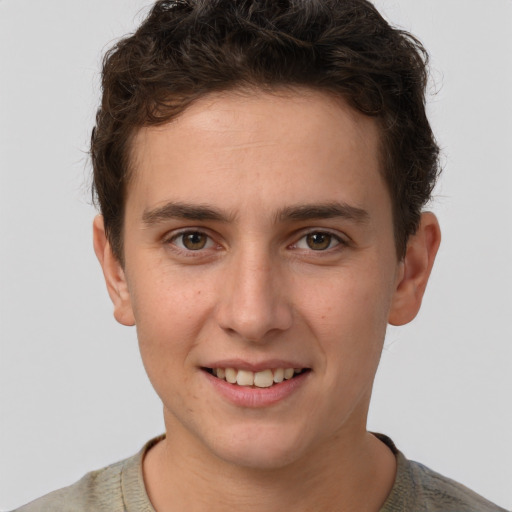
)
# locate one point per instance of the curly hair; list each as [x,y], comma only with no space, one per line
[186,49]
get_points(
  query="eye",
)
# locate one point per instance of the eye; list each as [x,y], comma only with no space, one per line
[192,241]
[318,241]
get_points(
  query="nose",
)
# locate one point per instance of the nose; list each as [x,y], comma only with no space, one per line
[254,304]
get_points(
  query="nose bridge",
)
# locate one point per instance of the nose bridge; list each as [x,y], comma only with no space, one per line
[253,301]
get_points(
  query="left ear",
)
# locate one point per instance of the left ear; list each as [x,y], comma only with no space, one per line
[416,267]
[113,272]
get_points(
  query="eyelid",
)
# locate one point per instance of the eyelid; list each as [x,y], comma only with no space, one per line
[170,238]
[342,240]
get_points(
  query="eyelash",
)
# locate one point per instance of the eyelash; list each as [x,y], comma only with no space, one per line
[210,243]
[171,240]
[339,241]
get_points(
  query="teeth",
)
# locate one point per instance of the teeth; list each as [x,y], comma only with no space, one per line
[262,379]
[231,374]
[288,373]
[245,378]
[278,375]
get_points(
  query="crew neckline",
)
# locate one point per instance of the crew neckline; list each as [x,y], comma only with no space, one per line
[136,499]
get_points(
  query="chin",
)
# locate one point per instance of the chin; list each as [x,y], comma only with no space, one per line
[259,449]
[258,458]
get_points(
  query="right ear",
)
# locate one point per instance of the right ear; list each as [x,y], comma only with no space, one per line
[113,272]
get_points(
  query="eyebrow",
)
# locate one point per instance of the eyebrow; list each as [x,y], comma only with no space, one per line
[201,212]
[186,211]
[323,211]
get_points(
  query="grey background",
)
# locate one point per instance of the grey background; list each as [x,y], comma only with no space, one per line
[73,393]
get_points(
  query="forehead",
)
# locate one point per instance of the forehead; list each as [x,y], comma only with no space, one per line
[283,146]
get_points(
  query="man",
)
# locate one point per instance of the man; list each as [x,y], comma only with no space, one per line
[261,169]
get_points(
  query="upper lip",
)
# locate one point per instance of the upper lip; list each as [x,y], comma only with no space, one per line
[252,366]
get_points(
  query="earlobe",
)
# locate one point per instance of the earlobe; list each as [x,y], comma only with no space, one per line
[113,272]
[416,267]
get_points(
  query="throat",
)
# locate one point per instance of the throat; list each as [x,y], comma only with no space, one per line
[179,481]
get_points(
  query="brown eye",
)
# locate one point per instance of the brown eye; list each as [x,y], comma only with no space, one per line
[319,241]
[193,240]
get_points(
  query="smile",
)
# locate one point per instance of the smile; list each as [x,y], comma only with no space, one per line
[261,379]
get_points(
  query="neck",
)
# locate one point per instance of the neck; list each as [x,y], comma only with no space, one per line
[352,472]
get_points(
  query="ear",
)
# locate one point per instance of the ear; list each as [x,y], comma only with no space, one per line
[415,270]
[114,274]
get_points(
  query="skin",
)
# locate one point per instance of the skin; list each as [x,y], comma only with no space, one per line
[257,291]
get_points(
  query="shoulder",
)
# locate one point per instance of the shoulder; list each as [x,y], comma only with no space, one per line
[99,490]
[420,489]
[444,494]
[115,488]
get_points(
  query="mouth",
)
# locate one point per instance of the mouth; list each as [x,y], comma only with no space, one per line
[261,379]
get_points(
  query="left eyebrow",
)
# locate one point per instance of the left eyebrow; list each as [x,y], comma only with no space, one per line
[185,211]
[323,211]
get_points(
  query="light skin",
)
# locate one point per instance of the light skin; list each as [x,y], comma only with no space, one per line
[258,233]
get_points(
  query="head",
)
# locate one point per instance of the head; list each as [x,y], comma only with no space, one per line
[187,49]
[261,168]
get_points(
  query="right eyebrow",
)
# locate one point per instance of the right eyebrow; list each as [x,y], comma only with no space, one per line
[331,210]
[186,211]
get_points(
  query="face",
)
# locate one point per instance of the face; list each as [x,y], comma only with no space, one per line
[258,239]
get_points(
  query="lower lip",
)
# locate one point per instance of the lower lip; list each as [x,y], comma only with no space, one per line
[252,397]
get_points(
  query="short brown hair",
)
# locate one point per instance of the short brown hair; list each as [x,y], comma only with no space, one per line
[188,48]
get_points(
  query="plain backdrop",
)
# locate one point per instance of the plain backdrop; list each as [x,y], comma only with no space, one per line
[73,393]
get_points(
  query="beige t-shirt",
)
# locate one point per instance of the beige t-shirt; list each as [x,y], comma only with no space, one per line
[120,488]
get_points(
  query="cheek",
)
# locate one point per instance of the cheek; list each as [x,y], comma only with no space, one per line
[169,313]
[165,297]
[355,297]
[167,331]
[348,317]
